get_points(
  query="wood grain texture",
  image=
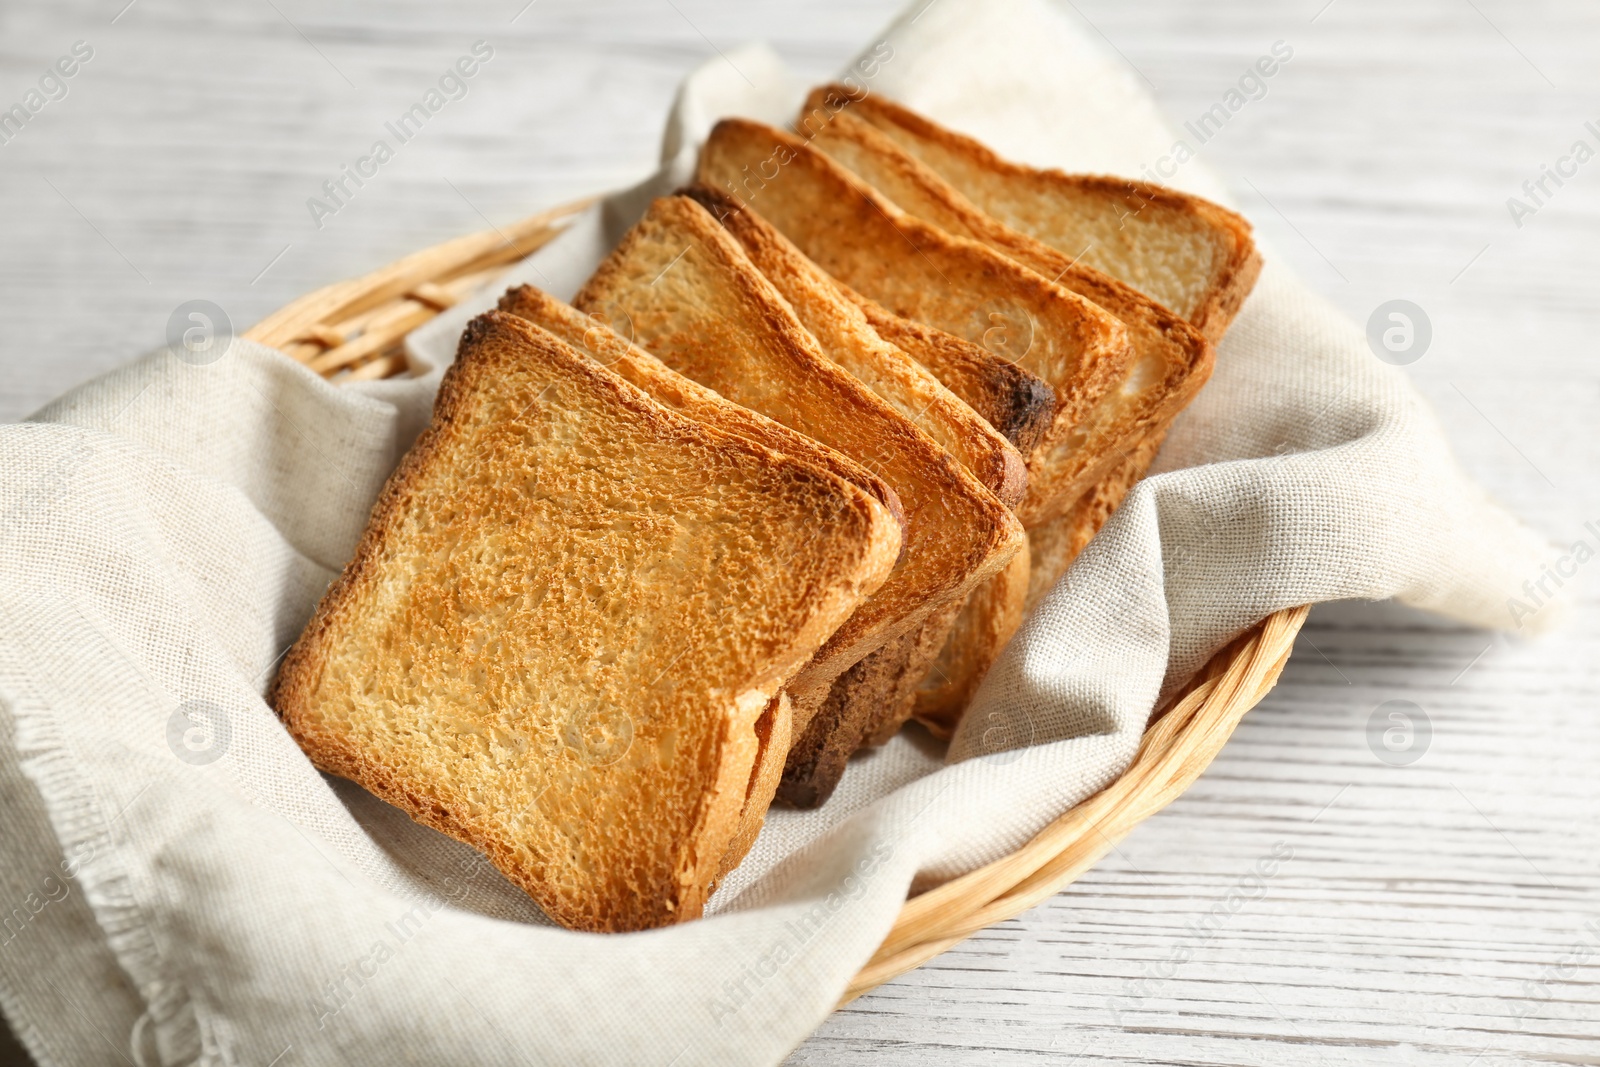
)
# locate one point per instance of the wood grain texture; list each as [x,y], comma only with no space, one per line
[1436,913]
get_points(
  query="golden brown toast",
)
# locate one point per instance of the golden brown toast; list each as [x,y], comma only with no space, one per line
[697,302]
[1017,403]
[1174,362]
[599,341]
[773,738]
[980,633]
[567,613]
[875,700]
[592,336]
[818,754]
[1054,545]
[899,700]
[921,272]
[1174,359]
[1195,257]
[845,336]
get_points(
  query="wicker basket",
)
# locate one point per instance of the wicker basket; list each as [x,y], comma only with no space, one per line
[353,330]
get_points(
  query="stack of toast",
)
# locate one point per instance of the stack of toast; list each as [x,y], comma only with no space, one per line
[875,388]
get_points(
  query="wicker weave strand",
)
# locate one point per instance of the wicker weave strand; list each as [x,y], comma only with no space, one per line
[354,330]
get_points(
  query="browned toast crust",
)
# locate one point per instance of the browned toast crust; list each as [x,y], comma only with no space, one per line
[1017,403]
[1212,292]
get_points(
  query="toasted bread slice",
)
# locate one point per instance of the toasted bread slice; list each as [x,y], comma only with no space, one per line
[869,705]
[1195,257]
[845,336]
[773,738]
[921,272]
[994,612]
[876,700]
[866,706]
[593,337]
[1020,405]
[899,701]
[697,303]
[1174,358]
[1055,544]
[566,615]
[985,625]
[818,754]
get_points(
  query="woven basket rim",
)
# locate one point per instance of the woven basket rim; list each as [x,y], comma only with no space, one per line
[354,329]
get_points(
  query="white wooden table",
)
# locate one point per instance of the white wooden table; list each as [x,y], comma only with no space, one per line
[1444,912]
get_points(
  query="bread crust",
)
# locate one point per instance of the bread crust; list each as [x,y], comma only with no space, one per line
[819,753]
[1235,263]
[900,702]
[978,636]
[774,735]
[494,350]
[1020,405]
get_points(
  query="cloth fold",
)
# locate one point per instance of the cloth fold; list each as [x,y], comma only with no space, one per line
[186,888]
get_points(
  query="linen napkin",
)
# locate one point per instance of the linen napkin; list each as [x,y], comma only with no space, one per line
[183,887]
